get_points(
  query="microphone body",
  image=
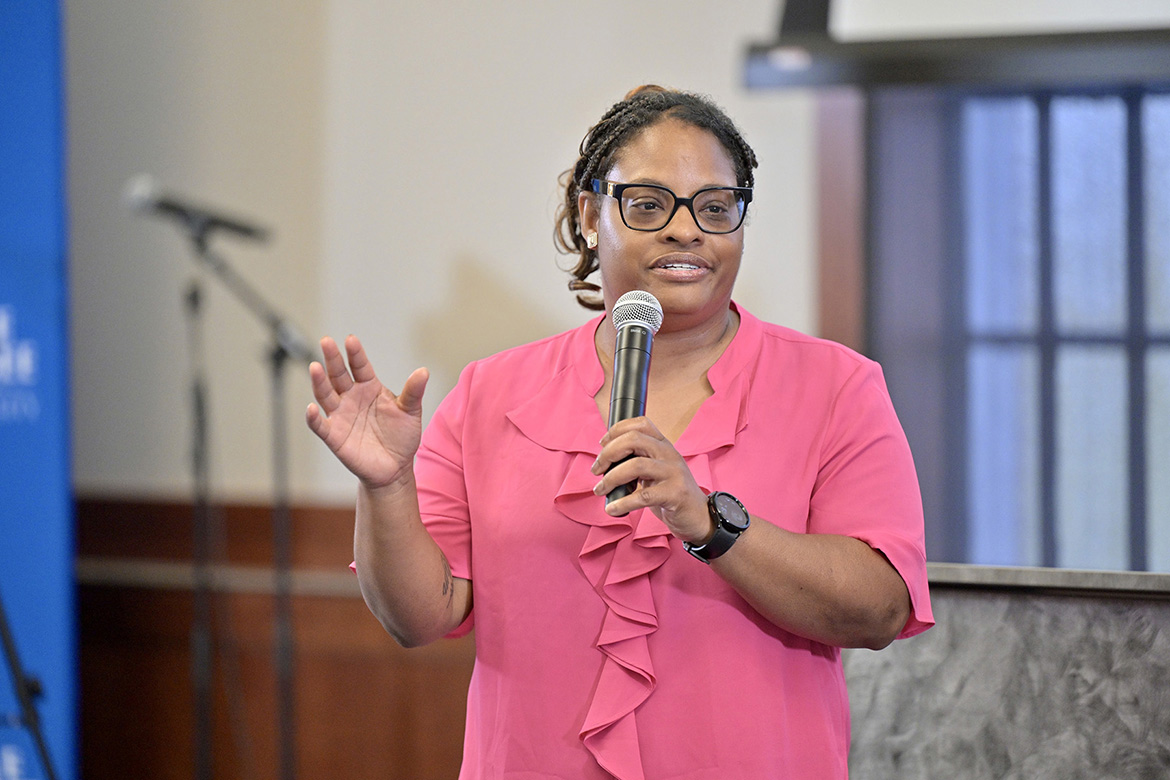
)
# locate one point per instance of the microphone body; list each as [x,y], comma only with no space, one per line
[631,372]
[637,316]
[142,194]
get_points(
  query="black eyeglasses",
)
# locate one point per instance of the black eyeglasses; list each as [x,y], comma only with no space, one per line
[650,207]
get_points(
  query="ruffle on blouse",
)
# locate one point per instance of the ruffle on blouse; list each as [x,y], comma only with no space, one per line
[617,557]
[619,553]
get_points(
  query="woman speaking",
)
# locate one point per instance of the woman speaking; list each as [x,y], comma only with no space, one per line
[691,628]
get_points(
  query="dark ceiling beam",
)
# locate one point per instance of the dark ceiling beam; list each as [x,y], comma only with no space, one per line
[805,54]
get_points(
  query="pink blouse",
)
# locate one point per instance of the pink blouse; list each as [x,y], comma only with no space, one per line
[602,648]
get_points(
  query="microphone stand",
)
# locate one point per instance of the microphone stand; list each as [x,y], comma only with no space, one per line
[27,690]
[286,344]
[202,532]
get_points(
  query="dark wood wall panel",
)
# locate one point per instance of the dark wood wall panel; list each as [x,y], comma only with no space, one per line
[363,706]
[841,239]
[322,537]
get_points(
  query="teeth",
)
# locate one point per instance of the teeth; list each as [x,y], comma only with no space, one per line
[681,265]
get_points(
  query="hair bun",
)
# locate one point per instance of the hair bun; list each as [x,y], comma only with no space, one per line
[645,88]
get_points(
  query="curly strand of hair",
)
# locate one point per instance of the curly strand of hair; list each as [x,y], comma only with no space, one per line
[595,152]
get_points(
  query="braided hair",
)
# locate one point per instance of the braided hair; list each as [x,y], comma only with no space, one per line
[641,108]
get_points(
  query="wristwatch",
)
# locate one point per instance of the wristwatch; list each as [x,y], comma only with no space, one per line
[731,520]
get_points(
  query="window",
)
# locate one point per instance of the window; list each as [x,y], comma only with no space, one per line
[1020,303]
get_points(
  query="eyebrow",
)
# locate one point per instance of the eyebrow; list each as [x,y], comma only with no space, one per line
[656,183]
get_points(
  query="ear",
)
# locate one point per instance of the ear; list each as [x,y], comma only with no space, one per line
[588,213]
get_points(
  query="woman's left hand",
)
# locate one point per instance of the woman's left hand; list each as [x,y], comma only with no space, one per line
[665,483]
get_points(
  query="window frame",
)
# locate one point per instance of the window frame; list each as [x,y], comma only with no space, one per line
[848,282]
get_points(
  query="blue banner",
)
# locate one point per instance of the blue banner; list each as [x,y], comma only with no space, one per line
[36,508]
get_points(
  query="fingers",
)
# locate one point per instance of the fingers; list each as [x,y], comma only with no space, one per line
[635,424]
[645,472]
[318,422]
[363,371]
[339,376]
[629,438]
[636,451]
[333,379]
[410,399]
[335,366]
[323,389]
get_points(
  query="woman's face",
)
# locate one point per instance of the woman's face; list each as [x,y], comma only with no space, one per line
[690,272]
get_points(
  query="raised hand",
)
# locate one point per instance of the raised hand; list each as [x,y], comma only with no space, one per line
[372,431]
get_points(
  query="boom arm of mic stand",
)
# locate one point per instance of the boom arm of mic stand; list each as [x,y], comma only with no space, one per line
[284,333]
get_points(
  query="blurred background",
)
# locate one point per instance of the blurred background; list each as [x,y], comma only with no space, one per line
[404,158]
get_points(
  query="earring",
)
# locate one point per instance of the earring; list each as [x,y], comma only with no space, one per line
[591,240]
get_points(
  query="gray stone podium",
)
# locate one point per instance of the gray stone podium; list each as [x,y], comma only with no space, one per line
[1029,674]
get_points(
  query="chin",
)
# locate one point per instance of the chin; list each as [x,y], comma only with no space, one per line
[686,303]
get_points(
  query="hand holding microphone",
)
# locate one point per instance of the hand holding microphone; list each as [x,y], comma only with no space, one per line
[637,316]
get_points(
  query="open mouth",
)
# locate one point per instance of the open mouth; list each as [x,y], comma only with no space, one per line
[680,263]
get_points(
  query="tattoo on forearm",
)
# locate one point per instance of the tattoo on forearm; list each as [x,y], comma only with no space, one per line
[448,582]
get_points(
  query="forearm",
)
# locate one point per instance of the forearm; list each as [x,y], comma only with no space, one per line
[404,576]
[833,589]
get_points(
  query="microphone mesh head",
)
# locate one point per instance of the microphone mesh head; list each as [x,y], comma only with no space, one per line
[637,306]
[140,193]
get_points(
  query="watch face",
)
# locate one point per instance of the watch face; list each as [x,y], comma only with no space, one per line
[731,510]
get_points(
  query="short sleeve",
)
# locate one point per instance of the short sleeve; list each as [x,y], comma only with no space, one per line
[442,489]
[867,486]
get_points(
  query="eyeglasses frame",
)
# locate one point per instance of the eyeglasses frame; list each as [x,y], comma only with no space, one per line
[615,189]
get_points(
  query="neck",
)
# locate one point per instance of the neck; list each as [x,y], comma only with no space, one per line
[678,370]
[677,346]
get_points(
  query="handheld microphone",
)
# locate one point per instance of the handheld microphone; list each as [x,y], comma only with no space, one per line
[143,194]
[637,316]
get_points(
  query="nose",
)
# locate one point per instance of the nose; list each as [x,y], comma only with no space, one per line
[682,227]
